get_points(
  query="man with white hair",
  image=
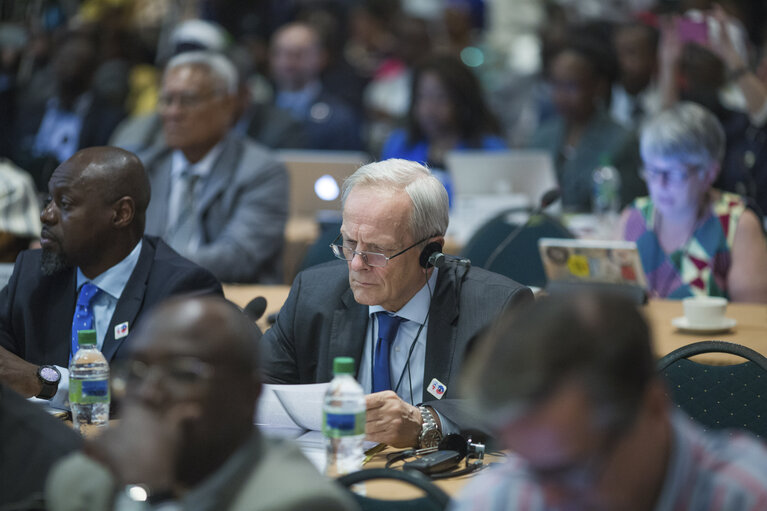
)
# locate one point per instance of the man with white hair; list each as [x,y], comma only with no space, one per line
[407,324]
[218,198]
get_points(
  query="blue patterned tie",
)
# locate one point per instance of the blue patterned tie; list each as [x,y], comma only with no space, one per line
[387,332]
[83,319]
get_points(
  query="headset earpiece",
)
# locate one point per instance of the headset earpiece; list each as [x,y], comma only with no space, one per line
[426,253]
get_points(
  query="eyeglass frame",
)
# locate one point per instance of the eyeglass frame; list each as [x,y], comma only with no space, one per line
[655,175]
[187,101]
[338,252]
[124,373]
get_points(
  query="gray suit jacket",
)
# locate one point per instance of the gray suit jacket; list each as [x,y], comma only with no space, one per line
[275,477]
[242,212]
[321,320]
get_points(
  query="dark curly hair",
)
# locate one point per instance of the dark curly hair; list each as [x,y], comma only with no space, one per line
[472,115]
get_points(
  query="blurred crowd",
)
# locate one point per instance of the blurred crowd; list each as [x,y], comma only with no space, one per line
[411,79]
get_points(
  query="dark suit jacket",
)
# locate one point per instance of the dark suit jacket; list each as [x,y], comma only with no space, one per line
[36,310]
[321,320]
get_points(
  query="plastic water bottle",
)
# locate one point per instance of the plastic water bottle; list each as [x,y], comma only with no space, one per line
[606,197]
[343,420]
[89,385]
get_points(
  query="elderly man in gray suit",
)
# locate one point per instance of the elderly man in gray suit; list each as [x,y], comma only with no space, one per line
[219,199]
[407,324]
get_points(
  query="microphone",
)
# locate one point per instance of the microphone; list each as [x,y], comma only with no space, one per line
[547,199]
[255,308]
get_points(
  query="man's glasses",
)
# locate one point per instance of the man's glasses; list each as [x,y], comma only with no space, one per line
[673,176]
[369,258]
[177,372]
[185,100]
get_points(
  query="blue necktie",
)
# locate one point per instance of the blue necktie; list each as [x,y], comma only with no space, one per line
[83,319]
[387,332]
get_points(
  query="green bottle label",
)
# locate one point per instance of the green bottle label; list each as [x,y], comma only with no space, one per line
[87,392]
[337,425]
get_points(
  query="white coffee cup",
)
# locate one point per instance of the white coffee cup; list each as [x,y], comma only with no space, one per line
[704,311]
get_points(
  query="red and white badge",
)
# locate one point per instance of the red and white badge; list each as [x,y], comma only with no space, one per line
[121,330]
[437,388]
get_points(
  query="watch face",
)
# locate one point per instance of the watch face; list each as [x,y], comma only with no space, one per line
[431,438]
[49,374]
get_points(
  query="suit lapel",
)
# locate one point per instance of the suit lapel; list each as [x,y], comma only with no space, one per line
[347,335]
[441,334]
[129,304]
[157,213]
[60,312]
[221,173]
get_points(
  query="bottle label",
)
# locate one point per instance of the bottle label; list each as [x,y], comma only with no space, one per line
[88,391]
[336,425]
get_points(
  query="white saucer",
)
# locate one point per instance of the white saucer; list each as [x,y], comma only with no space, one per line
[725,325]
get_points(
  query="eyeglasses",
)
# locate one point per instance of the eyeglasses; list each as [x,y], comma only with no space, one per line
[178,373]
[185,100]
[375,259]
[672,176]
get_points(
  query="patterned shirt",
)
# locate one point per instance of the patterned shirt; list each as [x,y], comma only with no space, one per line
[706,471]
[701,265]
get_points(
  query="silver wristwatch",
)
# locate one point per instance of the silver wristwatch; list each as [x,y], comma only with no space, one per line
[430,435]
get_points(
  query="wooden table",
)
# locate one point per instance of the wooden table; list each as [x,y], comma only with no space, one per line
[750,331]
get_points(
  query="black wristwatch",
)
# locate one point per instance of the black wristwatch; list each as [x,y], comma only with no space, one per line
[50,378]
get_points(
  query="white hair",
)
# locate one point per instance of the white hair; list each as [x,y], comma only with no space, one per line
[220,68]
[687,133]
[429,216]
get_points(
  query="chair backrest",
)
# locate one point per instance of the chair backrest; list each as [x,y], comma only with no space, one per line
[729,396]
[435,499]
[520,260]
[319,252]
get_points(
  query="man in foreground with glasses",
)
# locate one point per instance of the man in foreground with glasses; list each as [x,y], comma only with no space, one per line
[407,325]
[219,199]
[188,394]
[692,238]
[570,388]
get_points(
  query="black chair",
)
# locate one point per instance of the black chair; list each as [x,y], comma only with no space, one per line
[719,396]
[434,500]
[319,252]
[520,260]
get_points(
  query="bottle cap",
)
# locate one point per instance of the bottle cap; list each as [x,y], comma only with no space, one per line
[343,365]
[86,337]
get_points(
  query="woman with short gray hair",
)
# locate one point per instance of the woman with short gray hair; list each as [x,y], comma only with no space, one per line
[692,238]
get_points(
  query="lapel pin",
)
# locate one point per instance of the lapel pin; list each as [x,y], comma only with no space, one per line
[437,388]
[121,330]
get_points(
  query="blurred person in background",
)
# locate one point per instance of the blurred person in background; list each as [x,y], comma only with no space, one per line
[635,94]
[447,112]
[297,58]
[75,117]
[583,136]
[693,239]
[219,198]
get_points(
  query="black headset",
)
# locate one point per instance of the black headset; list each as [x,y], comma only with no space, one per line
[426,253]
[465,449]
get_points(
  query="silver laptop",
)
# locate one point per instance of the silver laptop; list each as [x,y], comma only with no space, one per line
[592,261]
[316,178]
[515,171]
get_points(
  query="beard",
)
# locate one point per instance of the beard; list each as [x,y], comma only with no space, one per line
[53,262]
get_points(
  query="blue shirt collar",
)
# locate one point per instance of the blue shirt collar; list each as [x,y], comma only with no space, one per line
[113,280]
[417,307]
